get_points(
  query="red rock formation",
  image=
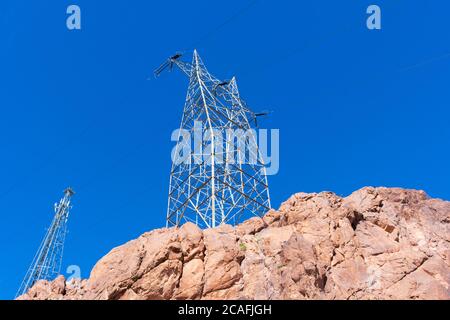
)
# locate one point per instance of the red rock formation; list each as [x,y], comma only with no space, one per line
[377,243]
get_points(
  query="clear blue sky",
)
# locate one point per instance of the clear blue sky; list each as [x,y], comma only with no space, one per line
[354,107]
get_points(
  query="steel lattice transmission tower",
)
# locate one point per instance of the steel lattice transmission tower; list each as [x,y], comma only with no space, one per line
[205,191]
[48,259]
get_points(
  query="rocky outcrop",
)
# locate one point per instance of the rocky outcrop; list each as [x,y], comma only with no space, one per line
[378,243]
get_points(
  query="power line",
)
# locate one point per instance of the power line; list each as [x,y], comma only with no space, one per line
[426,61]
[223,24]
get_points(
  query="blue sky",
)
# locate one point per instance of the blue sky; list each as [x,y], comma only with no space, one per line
[354,107]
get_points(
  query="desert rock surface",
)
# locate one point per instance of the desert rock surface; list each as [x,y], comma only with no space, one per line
[377,243]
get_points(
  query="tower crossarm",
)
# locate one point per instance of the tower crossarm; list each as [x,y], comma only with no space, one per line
[220,87]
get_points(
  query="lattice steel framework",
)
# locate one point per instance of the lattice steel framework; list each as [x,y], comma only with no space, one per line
[48,259]
[205,191]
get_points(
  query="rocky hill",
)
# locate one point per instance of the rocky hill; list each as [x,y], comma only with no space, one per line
[377,243]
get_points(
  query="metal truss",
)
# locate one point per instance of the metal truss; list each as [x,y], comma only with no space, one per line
[203,190]
[48,259]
